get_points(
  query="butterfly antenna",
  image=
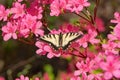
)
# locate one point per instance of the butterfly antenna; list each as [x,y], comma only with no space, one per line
[47,30]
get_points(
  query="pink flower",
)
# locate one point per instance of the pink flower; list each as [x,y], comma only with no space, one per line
[75,78]
[83,41]
[41,46]
[2,78]
[18,10]
[117,18]
[39,15]
[84,67]
[44,48]
[117,27]
[65,75]
[51,52]
[36,29]
[90,37]
[77,5]
[57,7]
[9,31]
[110,47]
[111,67]
[92,34]
[46,76]
[3,13]
[99,24]
[112,37]
[29,24]
[37,78]
[22,29]
[29,20]
[85,76]
[65,28]
[47,1]
[54,31]
[35,9]
[20,0]
[22,77]
[117,31]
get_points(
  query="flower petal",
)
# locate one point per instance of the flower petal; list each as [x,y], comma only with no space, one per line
[47,48]
[7,36]
[108,75]
[77,72]
[50,55]
[116,73]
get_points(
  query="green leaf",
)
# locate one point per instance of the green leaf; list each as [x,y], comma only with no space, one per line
[97,71]
[48,69]
[9,3]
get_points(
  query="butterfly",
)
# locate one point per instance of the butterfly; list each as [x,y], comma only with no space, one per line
[60,41]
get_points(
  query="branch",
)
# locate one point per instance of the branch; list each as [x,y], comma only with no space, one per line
[82,17]
[96,8]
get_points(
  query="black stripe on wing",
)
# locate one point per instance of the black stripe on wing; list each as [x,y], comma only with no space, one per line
[49,36]
[70,35]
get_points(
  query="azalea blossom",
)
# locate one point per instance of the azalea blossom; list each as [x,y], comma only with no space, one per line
[90,37]
[65,28]
[9,31]
[57,7]
[116,31]
[36,29]
[22,77]
[84,67]
[117,27]
[111,67]
[77,5]
[3,13]
[35,9]
[44,48]
[18,10]
[117,18]
[110,48]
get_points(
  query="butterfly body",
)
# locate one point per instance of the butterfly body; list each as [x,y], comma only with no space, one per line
[60,41]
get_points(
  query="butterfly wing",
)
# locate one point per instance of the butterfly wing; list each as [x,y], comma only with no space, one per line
[52,39]
[69,37]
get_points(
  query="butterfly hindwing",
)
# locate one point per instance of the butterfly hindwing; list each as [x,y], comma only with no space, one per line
[69,37]
[52,39]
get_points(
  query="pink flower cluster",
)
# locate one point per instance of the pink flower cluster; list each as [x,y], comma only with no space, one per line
[22,77]
[96,58]
[117,27]
[105,65]
[102,64]
[111,67]
[44,77]
[59,6]
[45,48]
[101,67]
[20,23]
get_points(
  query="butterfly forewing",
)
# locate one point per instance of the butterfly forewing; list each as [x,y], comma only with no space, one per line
[68,37]
[53,39]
